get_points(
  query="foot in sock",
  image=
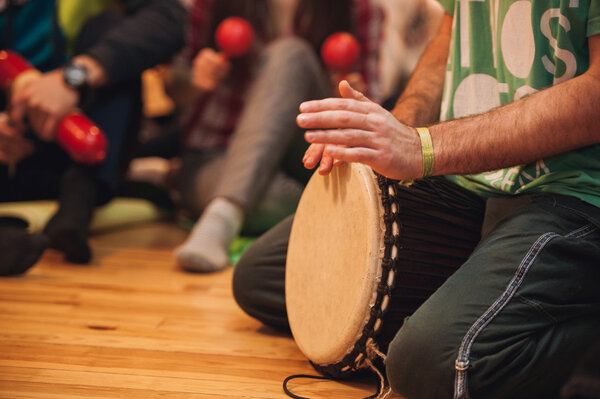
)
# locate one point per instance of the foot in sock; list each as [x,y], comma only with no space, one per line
[68,237]
[205,250]
[19,250]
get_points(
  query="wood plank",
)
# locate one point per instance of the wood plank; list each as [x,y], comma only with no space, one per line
[132,325]
[215,368]
[33,390]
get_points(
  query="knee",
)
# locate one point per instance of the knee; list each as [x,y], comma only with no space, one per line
[259,278]
[419,364]
[254,283]
[289,46]
[293,51]
[260,293]
[242,282]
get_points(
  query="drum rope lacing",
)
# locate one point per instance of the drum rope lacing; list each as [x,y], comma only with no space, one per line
[365,350]
[383,389]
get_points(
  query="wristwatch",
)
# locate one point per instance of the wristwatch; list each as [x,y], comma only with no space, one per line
[76,77]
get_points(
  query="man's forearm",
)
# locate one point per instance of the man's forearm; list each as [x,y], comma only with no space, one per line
[553,121]
[420,102]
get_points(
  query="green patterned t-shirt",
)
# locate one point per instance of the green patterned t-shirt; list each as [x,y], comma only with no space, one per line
[504,50]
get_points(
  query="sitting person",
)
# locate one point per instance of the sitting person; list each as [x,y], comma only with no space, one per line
[241,146]
[111,49]
[516,86]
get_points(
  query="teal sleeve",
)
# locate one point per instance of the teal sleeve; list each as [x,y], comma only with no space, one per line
[448,6]
[593,24]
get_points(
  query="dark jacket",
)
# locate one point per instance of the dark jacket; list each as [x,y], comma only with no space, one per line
[153,31]
[150,32]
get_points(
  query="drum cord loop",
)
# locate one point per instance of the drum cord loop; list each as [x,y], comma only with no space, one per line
[383,389]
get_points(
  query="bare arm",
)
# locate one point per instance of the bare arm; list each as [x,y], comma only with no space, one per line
[517,133]
[553,121]
[420,102]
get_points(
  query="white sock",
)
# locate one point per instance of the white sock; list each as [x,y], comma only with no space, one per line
[205,250]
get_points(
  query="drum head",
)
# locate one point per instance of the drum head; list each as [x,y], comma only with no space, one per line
[333,261]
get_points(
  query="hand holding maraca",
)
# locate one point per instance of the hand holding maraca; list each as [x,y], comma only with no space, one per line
[340,53]
[41,103]
[234,37]
[75,133]
[209,69]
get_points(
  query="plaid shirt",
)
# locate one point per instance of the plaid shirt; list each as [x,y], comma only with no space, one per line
[209,122]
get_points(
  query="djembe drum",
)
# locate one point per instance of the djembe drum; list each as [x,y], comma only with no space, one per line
[364,253]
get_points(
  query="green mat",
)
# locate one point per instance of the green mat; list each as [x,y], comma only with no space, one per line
[237,248]
[119,212]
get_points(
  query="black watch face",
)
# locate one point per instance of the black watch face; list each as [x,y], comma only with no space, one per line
[75,75]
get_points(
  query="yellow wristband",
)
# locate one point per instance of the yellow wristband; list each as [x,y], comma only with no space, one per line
[427,150]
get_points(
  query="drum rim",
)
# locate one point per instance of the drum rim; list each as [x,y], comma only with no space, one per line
[370,189]
[365,348]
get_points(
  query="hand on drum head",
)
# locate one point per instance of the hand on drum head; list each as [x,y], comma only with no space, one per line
[355,129]
[314,155]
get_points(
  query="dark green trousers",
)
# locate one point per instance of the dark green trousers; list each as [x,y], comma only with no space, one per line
[510,323]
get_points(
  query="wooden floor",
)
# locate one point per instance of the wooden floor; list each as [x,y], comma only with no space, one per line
[132,325]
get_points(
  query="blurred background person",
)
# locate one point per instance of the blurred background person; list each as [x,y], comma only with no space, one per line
[112,43]
[241,149]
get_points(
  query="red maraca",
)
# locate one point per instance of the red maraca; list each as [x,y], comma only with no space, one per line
[340,51]
[234,37]
[82,139]
[76,134]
